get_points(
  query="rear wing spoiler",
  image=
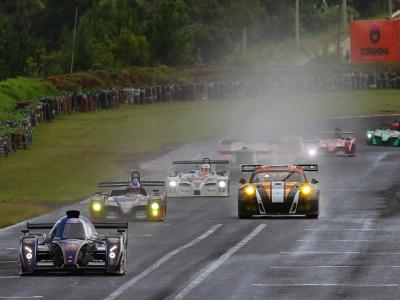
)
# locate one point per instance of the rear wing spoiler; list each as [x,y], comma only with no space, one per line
[308,168]
[39,225]
[249,168]
[199,162]
[115,225]
[126,184]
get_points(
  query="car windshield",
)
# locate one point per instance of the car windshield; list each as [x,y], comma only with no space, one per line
[287,176]
[74,231]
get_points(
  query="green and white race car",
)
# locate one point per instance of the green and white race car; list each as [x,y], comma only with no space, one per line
[384,137]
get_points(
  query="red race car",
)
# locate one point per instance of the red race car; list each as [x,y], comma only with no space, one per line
[340,143]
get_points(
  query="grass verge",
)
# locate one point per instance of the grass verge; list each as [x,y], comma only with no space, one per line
[72,154]
[19,89]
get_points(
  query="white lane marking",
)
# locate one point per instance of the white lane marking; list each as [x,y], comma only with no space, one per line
[21,297]
[349,266]
[8,261]
[140,235]
[323,284]
[8,277]
[161,261]
[354,220]
[365,241]
[11,248]
[214,265]
[340,252]
[353,229]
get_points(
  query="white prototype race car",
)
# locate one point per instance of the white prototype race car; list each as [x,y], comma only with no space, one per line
[203,181]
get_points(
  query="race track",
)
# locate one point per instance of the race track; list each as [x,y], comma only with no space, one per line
[203,251]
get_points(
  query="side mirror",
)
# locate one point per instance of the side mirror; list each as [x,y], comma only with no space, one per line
[314,181]
[242,181]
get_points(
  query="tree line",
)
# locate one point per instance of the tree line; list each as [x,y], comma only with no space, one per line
[36,35]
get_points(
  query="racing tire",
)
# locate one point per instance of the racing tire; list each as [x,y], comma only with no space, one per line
[312,216]
[243,215]
[24,271]
[122,267]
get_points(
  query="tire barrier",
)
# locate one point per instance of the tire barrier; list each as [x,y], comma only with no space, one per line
[17,134]
[286,82]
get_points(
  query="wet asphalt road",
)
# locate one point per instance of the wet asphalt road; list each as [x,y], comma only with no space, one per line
[203,251]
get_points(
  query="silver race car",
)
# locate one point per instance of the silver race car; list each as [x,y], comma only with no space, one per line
[132,202]
[203,181]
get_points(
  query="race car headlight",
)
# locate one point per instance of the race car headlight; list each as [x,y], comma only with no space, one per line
[250,190]
[305,189]
[111,253]
[369,135]
[312,152]
[172,184]
[96,206]
[155,206]
[28,254]
[222,184]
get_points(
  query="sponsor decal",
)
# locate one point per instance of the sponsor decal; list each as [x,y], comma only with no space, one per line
[375,37]
[374,51]
[375,34]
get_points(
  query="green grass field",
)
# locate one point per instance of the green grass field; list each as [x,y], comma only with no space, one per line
[19,89]
[72,154]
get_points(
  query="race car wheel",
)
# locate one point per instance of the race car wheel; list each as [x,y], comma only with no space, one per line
[312,216]
[242,215]
[24,271]
[122,266]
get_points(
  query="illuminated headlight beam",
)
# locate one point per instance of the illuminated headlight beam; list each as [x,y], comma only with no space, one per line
[155,206]
[172,184]
[312,152]
[222,184]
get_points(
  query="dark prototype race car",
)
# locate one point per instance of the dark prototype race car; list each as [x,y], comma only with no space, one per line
[73,245]
[132,202]
[278,190]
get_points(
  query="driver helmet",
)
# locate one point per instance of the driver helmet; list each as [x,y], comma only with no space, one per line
[135,184]
[205,169]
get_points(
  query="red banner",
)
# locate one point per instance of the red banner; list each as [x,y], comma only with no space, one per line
[375,41]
